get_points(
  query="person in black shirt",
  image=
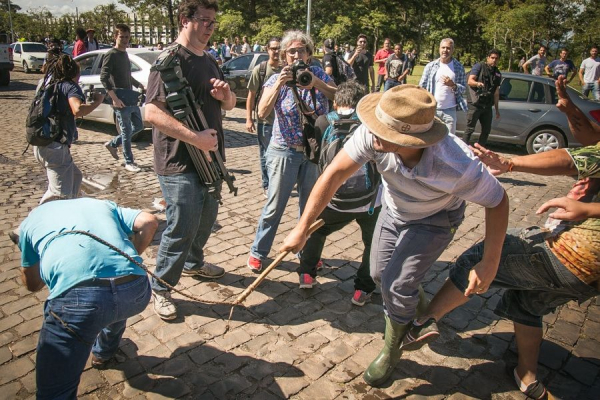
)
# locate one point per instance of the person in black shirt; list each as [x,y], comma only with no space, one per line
[116,74]
[484,81]
[191,209]
[362,62]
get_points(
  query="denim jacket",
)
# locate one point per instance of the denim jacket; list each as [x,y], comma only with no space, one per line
[428,81]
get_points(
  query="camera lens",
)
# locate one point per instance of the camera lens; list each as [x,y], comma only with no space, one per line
[304,78]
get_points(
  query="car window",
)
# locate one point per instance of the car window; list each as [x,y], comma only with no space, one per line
[241,63]
[17,48]
[514,89]
[135,67]
[538,95]
[86,64]
[261,58]
[34,48]
[149,57]
[553,96]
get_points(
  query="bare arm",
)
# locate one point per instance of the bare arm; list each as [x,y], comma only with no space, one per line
[157,114]
[31,278]
[526,67]
[496,222]
[549,163]
[328,89]
[79,109]
[497,101]
[332,178]
[144,227]
[548,72]
[581,70]
[372,76]
[581,127]
[472,81]
[250,101]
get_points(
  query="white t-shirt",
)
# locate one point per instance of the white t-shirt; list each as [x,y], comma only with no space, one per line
[444,95]
[447,174]
[591,69]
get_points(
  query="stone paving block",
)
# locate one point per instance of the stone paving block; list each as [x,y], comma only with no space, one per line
[10,391]
[15,369]
[289,385]
[20,304]
[321,389]
[137,386]
[5,354]
[564,332]
[169,389]
[582,371]
[27,328]
[32,312]
[152,357]
[284,353]
[24,346]
[28,382]
[345,372]
[552,355]
[203,354]
[9,322]
[337,352]
[8,285]
[232,339]
[175,366]
[310,342]
[118,373]
[90,381]
[229,386]
[588,349]
[6,337]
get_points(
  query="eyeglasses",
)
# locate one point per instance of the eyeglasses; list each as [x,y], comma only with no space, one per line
[207,22]
[299,50]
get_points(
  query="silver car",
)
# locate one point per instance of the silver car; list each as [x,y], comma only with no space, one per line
[91,63]
[528,114]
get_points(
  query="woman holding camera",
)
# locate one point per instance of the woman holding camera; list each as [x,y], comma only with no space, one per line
[64,178]
[285,159]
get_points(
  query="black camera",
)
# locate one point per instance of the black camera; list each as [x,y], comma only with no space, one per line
[300,75]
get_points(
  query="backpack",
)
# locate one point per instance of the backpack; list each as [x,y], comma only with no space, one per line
[362,187]
[262,73]
[42,125]
[342,71]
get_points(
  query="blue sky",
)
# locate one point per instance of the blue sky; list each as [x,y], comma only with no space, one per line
[60,7]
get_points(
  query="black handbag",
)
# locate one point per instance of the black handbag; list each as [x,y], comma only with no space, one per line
[312,143]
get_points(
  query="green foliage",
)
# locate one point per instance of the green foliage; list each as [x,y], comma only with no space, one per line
[267,28]
[232,24]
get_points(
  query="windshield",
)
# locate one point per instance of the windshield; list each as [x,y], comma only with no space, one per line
[149,57]
[34,48]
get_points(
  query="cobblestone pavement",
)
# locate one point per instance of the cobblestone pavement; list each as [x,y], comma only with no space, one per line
[287,343]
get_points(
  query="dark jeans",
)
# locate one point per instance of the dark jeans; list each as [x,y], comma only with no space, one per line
[191,213]
[263,134]
[485,117]
[536,282]
[380,82]
[390,83]
[334,221]
[92,318]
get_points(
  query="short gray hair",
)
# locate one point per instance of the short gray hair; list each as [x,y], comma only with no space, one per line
[450,40]
[297,36]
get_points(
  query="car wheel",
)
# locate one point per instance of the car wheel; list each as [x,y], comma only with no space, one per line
[4,77]
[26,67]
[544,140]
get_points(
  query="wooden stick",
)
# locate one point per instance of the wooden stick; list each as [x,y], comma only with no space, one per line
[315,225]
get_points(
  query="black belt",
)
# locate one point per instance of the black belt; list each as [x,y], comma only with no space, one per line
[107,281]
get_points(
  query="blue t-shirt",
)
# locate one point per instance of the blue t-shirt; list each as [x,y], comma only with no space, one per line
[68,89]
[559,68]
[287,128]
[68,260]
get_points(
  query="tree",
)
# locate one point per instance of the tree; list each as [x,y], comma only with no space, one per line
[232,24]
[267,28]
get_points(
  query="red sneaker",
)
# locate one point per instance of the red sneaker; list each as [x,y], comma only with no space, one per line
[306,281]
[254,264]
[319,265]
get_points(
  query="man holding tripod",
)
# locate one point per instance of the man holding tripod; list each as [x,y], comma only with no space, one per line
[484,82]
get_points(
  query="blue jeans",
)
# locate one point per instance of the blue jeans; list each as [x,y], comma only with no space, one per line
[402,253]
[448,116]
[536,282]
[591,87]
[390,83]
[96,317]
[191,214]
[286,167]
[263,133]
[130,123]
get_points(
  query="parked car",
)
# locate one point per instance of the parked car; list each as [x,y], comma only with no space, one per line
[91,63]
[528,114]
[29,55]
[237,72]
[69,49]
[6,60]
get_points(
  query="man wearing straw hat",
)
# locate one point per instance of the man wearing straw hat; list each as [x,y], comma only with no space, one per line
[428,175]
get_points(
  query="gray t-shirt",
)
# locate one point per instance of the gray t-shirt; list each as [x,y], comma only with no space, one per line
[537,64]
[253,85]
[591,69]
[447,174]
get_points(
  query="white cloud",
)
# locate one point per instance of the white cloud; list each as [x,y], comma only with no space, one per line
[61,7]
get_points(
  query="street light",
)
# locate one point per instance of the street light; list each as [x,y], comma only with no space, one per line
[308,17]
[12,33]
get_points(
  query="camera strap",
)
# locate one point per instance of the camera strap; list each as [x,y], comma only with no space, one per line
[308,114]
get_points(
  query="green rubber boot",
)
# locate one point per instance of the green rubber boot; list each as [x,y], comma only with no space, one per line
[382,367]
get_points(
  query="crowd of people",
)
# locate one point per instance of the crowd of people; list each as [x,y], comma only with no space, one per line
[399,145]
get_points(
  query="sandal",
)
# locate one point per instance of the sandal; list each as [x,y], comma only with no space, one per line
[535,390]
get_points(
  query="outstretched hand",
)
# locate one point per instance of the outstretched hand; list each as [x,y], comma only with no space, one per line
[496,164]
[567,209]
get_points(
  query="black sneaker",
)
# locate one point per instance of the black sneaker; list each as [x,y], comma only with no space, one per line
[418,335]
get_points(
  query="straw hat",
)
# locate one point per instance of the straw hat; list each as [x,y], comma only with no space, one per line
[404,115]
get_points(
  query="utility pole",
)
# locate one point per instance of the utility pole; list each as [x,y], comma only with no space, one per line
[308,17]
[12,33]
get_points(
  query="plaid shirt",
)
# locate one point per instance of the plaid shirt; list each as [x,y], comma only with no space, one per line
[428,81]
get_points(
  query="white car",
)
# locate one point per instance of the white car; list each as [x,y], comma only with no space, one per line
[91,63]
[29,55]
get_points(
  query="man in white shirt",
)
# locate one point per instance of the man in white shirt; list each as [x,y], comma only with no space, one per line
[445,78]
[589,74]
[428,175]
